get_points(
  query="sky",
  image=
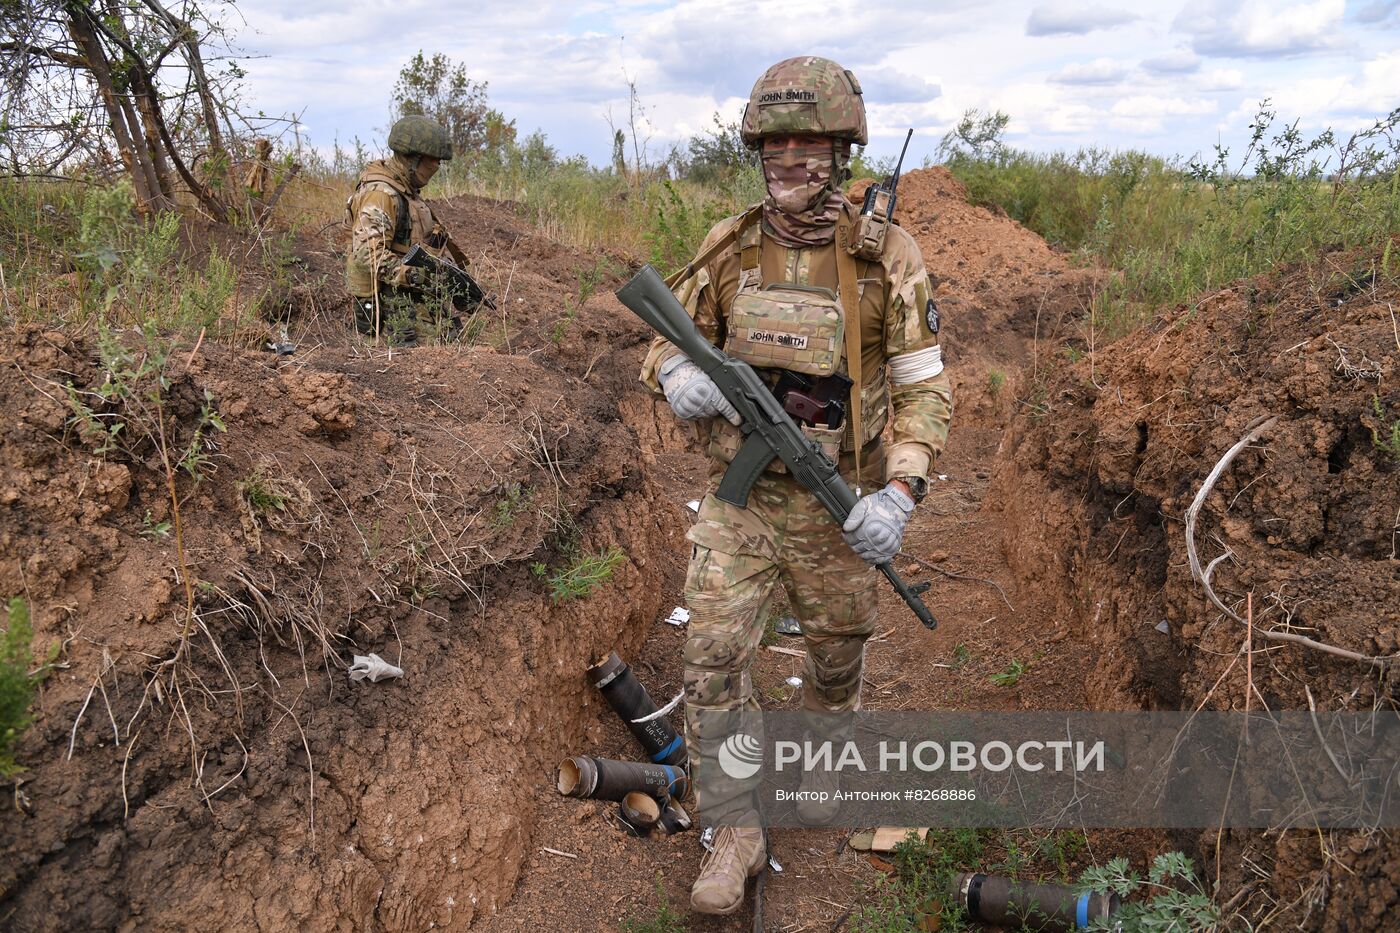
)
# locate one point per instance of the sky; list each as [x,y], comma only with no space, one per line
[1172,78]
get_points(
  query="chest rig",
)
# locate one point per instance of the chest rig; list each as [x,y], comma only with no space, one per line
[805,338]
[413,221]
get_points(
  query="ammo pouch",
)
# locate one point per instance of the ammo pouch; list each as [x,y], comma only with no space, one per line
[787,326]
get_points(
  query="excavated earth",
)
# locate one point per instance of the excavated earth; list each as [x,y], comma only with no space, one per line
[251,785]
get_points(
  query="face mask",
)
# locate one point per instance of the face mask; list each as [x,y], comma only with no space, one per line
[798,178]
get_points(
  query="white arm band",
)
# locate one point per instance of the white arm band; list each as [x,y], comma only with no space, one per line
[917,366]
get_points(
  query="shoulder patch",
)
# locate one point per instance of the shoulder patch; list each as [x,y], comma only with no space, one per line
[931,316]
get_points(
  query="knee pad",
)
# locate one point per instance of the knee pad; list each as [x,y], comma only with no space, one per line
[833,671]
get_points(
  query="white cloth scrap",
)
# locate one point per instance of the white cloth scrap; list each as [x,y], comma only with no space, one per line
[373,668]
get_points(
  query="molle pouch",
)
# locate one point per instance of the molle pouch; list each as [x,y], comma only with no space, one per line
[437,237]
[872,225]
[828,439]
[788,326]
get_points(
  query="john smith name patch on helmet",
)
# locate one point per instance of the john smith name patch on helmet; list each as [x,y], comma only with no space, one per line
[931,316]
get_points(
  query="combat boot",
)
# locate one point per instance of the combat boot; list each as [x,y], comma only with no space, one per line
[738,855]
[816,803]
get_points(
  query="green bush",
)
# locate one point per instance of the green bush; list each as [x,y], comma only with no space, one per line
[1171,899]
[83,256]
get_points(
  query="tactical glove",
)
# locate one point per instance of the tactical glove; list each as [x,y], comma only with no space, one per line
[693,394]
[875,527]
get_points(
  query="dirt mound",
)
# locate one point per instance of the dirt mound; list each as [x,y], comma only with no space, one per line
[420,505]
[1104,464]
[999,285]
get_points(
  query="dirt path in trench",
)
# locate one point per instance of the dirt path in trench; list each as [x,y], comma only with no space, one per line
[1003,293]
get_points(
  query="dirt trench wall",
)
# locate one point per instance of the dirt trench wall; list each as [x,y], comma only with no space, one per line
[1095,479]
[426,498]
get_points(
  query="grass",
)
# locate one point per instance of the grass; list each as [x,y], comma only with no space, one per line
[961,655]
[79,254]
[1009,677]
[261,495]
[581,575]
[662,920]
[1385,435]
[917,894]
[996,379]
[17,685]
[513,502]
[1175,229]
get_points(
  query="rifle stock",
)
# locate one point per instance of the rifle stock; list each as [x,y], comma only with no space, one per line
[768,430]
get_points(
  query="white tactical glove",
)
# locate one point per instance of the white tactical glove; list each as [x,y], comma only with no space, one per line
[875,527]
[693,394]
[373,668]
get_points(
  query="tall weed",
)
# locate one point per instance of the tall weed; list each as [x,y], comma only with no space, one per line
[1176,229]
[79,254]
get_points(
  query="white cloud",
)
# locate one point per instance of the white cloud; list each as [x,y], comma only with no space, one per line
[1261,28]
[1342,102]
[1098,71]
[892,86]
[557,66]
[1220,79]
[1153,105]
[1378,12]
[1174,62]
[1074,19]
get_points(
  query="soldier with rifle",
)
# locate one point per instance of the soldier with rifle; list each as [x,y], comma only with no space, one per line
[829,310]
[404,273]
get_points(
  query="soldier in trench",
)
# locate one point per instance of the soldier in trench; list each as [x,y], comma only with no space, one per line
[387,217]
[778,286]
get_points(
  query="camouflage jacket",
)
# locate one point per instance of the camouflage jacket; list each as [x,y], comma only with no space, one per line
[379,235]
[897,319]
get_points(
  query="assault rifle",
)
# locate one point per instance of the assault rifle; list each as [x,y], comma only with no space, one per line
[459,281]
[768,430]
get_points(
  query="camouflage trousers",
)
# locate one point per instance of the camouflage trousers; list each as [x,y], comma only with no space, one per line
[739,557]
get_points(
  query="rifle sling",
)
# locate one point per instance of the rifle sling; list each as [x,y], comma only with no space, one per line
[746,219]
[850,306]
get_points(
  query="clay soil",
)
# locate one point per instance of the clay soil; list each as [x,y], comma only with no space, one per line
[250,785]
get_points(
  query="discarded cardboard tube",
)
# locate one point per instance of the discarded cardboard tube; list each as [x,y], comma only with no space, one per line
[630,700]
[674,819]
[607,779]
[640,813]
[1045,908]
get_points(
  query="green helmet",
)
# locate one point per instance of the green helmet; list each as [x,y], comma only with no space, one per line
[805,95]
[420,135]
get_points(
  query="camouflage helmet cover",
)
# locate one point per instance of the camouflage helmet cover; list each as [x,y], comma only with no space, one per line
[419,135]
[805,95]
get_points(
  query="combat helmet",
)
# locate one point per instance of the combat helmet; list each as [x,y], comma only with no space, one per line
[420,135]
[805,95]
